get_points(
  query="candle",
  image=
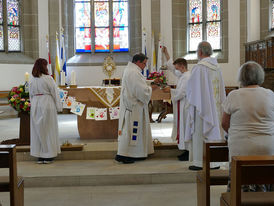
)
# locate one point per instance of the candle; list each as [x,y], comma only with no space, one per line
[27,77]
[63,78]
[73,78]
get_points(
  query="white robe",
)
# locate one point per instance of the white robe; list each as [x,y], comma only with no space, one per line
[136,139]
[178,97]
[45,102]
[205,94]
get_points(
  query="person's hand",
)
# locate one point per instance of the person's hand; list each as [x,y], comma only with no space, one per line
[164,49]
[166,89]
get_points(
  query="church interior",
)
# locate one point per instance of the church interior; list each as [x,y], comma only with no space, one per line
[88,44]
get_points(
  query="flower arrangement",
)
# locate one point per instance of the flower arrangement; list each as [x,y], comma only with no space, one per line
[19,99]
[158,77]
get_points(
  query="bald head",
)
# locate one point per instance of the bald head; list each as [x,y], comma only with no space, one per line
[204,49]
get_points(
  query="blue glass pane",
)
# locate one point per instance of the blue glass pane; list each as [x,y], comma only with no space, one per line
[120,14]
[101,39]
[120,39]
[83,40]
[82,15]
[13,12]
[213,10]
[195,11]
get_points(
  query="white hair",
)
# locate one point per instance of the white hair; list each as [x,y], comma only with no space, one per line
[205,48]
[251,73]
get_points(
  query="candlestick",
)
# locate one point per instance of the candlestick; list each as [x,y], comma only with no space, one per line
[27,77]
[73,78]
[63,78]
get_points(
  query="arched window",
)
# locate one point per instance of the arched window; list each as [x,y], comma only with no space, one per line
[10,34]
[204,23]
[101,26]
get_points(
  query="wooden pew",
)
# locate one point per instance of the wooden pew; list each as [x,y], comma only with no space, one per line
[247,170]
[12,184]
[4,94]
[212,152]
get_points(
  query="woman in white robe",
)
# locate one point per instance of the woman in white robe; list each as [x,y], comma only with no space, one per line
[45,102]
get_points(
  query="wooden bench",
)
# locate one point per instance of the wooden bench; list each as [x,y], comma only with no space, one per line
[4,94]
[12,184]
[247,170]
[212,152]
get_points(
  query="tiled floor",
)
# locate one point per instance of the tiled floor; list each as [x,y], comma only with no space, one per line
[129,195]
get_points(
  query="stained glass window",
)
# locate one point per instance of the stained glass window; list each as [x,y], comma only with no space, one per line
[82,26]
[204,23]
[272,14]
[1,27]
[195,11]
[108,26]
[10,34]
[13,25]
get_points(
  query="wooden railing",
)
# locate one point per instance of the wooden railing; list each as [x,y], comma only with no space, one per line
[261,52]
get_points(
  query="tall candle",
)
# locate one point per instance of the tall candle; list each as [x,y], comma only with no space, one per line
[73,78]
[27,77]
[63,78]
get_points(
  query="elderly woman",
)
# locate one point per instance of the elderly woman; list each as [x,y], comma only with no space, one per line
[45,102]
[249,114]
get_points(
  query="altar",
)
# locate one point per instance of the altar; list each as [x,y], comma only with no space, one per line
[102,97]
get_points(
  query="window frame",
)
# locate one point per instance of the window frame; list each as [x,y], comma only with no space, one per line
[271,16]
[93,27]
[6,26]
[204,24]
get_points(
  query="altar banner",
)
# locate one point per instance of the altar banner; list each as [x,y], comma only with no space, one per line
[114,112]
[63,94]
[77,108]
[101,114]
[68,102]
[90,113]
[109,96]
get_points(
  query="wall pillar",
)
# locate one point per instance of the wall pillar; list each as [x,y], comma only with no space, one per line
[253,20]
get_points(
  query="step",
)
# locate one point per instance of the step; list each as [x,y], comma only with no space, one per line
[99,150]
[104,172]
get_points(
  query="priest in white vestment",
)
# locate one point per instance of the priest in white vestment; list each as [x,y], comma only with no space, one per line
[45,102]
[180,105]
[205,94]
[134,140]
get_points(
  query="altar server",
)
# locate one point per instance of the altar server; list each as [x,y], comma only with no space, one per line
[205,94]
[180,105]
[45,102]
[134,140]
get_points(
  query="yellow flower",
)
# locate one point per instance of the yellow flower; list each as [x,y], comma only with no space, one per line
[26,103]
[12,99]
[21,90]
